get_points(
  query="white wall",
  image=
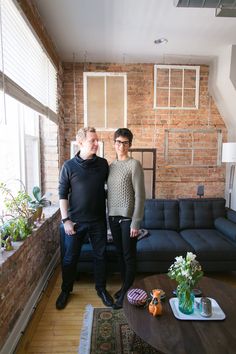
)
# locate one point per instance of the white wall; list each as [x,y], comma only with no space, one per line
[222,87]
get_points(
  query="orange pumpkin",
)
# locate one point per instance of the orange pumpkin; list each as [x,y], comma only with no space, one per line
[155,306]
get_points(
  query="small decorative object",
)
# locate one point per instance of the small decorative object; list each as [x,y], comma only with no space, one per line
[137,297]
[155,306]
[205,307]
[8,244]
[187,272]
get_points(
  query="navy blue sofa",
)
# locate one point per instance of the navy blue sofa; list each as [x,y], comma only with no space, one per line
[202,226]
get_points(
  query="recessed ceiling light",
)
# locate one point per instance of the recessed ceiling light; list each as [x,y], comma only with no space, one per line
[160,40]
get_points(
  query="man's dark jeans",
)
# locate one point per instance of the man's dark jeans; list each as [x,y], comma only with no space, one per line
[70,251]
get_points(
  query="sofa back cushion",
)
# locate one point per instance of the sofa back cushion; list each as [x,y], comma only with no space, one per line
[231,215]
[200,213]
[227,227]
[161,214]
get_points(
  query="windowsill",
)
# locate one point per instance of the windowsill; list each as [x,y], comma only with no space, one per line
[48,212]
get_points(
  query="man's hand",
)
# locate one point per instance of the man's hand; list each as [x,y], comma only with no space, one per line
[69,227]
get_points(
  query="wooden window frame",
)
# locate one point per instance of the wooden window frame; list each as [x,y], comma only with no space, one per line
[219,146]
[148,169]
[85,87]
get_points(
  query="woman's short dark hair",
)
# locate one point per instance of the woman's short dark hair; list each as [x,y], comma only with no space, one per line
[125,132]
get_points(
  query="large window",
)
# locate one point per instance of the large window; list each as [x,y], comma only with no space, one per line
[176,86]
[26,71]
[105,100]
[28,90]
[19,146]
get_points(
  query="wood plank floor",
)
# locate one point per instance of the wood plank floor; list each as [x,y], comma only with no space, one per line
[52,331]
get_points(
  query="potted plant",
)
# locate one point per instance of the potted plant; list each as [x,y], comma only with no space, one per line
[15,224]
[39,202]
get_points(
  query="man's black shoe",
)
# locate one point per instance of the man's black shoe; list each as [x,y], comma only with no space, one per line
[119,302]
[106,297]
[62,300]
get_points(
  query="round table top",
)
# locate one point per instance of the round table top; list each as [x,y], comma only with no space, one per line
[168,334]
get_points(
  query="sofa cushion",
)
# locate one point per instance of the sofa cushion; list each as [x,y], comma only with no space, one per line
[161,214]
[231,215]
[227,227]
[200,213]
[210,245]
[162,245]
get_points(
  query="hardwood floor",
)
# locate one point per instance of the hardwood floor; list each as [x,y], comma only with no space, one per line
[52,331]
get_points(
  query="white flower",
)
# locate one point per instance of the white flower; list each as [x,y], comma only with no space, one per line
[179,259]
[190,256]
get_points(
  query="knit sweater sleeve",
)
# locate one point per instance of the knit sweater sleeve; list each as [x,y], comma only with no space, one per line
[139,195]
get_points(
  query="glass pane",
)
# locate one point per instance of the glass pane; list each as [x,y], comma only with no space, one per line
[189,98]
[180,140]
[180,157]
[148,179]
[115,101]
[176,98]
[162,96]
[189,78]
[96,101]
[148,159]
[162,78]
[176,78]
[137,155]
[205,140]
[205,157]
[32,163]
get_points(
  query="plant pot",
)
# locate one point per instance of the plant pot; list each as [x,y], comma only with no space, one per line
[38,214]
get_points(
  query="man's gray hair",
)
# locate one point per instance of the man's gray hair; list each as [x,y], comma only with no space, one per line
[82,133]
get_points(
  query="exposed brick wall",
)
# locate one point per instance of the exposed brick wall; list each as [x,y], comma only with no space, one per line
[21,271]
[149,125]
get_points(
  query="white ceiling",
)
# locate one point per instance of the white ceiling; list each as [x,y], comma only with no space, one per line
[123,31]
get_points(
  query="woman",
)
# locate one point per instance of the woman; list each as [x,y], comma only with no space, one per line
[126,196]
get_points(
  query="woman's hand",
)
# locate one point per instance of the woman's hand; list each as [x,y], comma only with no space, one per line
[134,232]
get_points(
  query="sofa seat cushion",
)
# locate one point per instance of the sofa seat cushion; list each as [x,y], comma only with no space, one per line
[86,254]
[162,245]
[210,245]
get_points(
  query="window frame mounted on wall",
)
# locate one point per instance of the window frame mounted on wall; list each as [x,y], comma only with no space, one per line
[105,119]
[170,86]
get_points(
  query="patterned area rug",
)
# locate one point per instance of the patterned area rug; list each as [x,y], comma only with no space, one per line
[106,331]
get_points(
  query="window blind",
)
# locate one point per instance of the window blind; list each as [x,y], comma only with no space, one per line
[25,63]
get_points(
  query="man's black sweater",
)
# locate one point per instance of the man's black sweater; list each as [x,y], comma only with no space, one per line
[82,183]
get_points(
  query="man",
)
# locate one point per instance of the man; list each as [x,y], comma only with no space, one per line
[82,206]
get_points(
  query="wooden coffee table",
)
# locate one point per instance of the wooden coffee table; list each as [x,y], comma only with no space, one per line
[169,335]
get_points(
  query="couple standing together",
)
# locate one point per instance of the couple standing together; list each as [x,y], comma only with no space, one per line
[83,211]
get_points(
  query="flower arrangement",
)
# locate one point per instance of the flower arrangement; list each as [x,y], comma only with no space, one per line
[187,271]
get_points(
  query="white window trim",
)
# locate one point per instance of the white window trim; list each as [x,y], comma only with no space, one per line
[15,91]
[85,92]
[182,67]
